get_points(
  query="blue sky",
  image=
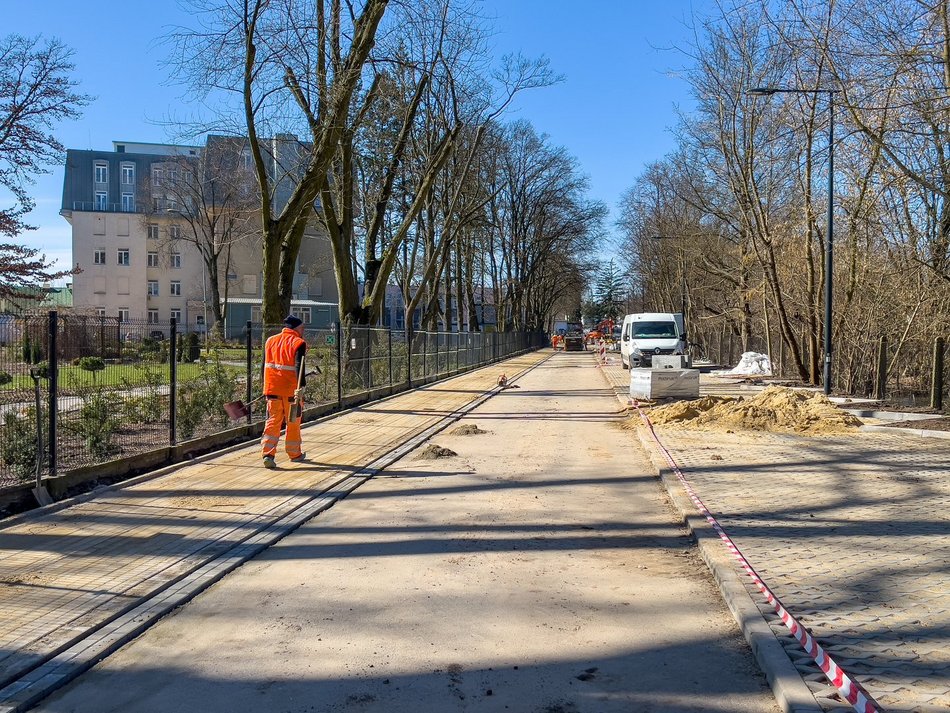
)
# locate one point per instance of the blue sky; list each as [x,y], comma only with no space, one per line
[613,111]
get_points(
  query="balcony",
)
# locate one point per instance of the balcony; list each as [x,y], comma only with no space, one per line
[93,207]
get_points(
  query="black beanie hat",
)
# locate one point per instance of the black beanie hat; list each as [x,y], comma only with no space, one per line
[292,322]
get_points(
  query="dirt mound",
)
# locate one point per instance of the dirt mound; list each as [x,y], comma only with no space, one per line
[433,452]
[775,409]
[681,411]
[469,429]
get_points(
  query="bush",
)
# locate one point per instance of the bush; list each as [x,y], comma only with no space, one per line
[96,424]
[31,352]
[5,378]
[91,363]
[18,445]
[202,399]
[42,369]
[150,406]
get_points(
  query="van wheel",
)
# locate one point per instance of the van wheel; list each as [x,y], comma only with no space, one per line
[624,364]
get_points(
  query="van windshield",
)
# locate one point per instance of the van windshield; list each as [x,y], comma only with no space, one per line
[654,330]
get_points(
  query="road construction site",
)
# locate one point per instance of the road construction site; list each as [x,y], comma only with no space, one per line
[467,546]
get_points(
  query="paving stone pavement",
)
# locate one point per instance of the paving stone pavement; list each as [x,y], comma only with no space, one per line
[852,533]
[66,574]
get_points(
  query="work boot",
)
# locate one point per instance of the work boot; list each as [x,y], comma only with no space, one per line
[299,459]
[269,462]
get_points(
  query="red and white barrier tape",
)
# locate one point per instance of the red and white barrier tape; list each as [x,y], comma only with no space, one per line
[852,691]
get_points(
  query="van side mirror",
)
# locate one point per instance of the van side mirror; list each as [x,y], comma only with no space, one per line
[683,337]
[626,337]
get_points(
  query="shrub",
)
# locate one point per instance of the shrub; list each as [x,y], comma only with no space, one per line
[91,363]
[202,399]
[5,378]
[18,445]
[96,424]
[42,369]
[148,407]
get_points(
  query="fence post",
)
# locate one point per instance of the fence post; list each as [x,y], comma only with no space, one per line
[339,364]
[250,367]
[409,336]
[53,362]
[389,333]
[880,379]
[173,382]
[936,383]
[425,356]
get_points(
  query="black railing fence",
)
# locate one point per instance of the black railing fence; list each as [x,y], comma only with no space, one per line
[102,389]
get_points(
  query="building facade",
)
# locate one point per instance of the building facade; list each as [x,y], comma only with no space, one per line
[136,240]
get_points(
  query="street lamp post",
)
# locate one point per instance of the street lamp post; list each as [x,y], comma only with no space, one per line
[829,242]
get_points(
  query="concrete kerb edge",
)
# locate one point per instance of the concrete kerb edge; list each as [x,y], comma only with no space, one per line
[788,686]
[27,515]
[128,624]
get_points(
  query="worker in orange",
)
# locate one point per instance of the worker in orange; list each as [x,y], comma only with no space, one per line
[283,383]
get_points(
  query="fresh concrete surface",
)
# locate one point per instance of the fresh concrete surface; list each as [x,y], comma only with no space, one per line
[539,570]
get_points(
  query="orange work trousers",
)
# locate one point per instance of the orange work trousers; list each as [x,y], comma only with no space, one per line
[278,414]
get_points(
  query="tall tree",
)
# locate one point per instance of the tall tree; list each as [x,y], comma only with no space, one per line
[36,93]
[289,64]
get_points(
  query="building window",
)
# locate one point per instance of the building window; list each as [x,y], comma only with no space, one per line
[123,314]
[174,232]
[173,175]
[153,231]
[122,256]
[152,260]
[153,316]
[128,203]
[153,288]
[101,198]
[301,313]
[176,315]
[171,205]
[101,312]
[128,174]
[101,173]
[175,288]
[158,175]
[200,320]
[175,260]
[99,256]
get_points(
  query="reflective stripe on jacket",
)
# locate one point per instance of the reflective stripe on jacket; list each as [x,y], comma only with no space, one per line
[280,363]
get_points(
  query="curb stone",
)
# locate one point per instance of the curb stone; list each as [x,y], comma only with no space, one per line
[790,689]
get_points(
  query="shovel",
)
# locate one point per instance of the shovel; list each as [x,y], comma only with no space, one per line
[236,410]
[296,409]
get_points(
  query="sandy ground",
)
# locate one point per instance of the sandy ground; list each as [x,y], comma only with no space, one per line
[539,570]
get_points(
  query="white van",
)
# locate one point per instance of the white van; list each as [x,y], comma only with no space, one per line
[648,334]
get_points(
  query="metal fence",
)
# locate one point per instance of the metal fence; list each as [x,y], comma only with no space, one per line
[79,390]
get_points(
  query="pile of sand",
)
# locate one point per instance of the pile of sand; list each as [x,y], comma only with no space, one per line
[469,429]
[432,452]
[775,409]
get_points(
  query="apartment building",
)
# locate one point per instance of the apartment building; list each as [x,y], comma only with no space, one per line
[135,235]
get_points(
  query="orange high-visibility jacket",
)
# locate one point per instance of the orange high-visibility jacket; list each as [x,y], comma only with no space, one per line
[281,362]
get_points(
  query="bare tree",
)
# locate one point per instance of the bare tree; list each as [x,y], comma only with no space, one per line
[290,64]
[36,93]
[215,197]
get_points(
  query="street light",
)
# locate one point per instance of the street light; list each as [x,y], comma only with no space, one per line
[767,92]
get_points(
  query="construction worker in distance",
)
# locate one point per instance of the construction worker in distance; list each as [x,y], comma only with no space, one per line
[283,384]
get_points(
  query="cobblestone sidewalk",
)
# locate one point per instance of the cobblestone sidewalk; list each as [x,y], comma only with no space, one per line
[853,534]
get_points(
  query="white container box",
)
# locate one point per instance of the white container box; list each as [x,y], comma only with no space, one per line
[664,383]
[673,361]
